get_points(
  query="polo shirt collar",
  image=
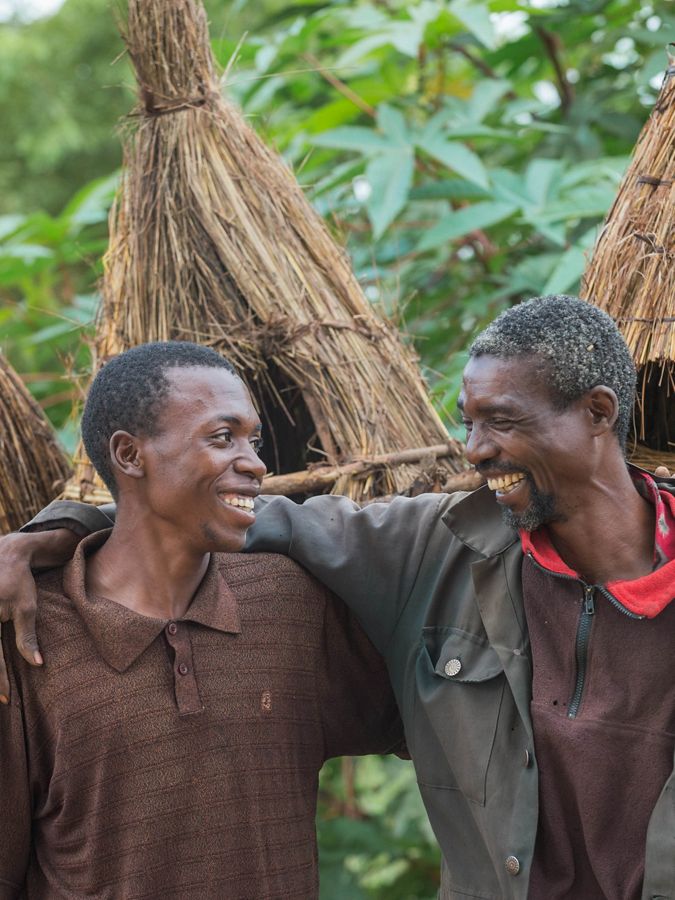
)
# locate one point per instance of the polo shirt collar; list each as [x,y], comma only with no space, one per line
[122,635]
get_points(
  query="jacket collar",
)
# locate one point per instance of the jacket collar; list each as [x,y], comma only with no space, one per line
[477,522]
[121,635]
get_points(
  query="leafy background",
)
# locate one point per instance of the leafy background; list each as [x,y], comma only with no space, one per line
[465,152]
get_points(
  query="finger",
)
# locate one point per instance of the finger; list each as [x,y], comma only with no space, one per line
[662,472]
[24,628]
[4,678]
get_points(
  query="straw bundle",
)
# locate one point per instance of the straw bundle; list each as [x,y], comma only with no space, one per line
[212,240]
[33,468]
[632,276]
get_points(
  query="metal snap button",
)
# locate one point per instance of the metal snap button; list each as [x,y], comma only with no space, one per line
[512,865]
[453,667]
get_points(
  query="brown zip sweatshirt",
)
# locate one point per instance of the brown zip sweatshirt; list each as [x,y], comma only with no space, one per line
[603,710]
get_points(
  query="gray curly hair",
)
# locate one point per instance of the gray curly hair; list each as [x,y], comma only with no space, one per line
[579,345]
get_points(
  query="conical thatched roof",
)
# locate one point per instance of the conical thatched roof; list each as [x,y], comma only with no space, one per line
[33,468]
[632,272]
[213,240]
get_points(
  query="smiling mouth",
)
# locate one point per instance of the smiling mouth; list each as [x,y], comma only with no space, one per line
[506,483]
[238,501]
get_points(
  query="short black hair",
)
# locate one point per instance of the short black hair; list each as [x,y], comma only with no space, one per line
[579,344]
[128,392]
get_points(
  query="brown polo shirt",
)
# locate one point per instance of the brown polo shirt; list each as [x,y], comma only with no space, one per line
[156,758]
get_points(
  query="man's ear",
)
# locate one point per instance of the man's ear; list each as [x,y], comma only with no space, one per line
[126,455]
[603,408]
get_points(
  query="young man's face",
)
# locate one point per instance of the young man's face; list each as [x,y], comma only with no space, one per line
[531,453]
[202,469]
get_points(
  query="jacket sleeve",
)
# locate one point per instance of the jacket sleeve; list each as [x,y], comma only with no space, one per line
[369,556]
[82,518]
[358,710]
[15,802]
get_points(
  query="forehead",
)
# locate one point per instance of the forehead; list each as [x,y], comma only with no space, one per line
[513,383]
[199,394]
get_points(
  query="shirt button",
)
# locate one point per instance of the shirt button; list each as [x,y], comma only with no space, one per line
[527,759]
[172,628]
[183,669]
[453,667]
[512,865]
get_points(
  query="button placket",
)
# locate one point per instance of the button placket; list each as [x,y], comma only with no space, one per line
[185,684]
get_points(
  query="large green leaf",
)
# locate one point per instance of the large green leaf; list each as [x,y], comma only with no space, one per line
[476,18]
[458,157]
[360,140]
[461,222]
[390,178]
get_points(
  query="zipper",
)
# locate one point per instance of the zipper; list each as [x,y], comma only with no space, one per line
[584,629]
[581,649]
[598,587]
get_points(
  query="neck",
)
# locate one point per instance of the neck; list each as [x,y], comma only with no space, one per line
[608,535]
[146,567]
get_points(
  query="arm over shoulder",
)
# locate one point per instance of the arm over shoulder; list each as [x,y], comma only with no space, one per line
[82,518]
[369,556]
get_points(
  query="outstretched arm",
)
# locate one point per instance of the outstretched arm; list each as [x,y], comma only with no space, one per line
[368,556]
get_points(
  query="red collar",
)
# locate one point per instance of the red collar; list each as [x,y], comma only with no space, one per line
[646,596]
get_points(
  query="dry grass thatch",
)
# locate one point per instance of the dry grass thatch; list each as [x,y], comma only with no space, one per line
[33,467]
[213,240]
[632,273]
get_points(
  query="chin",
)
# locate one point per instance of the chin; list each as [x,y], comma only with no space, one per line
[230,542]
[540,511]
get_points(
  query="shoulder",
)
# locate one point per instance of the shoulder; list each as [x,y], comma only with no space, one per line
[267,571]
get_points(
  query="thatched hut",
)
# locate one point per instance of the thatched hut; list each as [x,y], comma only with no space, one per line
[213,240]
[632,276]
[33,468]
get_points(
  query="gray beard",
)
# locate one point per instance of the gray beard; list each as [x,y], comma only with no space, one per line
[540,511]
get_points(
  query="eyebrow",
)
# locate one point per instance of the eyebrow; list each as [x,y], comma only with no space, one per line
[491,409]
[234,420]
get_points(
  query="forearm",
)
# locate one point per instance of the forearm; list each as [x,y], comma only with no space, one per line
[40,549]
[82,518]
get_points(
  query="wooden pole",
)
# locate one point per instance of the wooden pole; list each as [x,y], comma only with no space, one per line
[322,477]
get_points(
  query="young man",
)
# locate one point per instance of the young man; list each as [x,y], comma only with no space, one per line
[170,747]
[527,627]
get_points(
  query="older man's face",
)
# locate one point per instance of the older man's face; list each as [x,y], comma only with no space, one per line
[531,453]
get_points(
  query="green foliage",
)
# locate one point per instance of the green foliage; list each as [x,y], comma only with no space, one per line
[465,151]
[47,265]
[374,835]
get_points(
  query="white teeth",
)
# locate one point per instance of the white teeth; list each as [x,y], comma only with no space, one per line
[241,502]
[505,483]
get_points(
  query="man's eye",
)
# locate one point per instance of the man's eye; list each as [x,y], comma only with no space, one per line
[501,424]
[223,436]
[257,444]
[467,424]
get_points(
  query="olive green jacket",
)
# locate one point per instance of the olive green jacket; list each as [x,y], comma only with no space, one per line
[436,582]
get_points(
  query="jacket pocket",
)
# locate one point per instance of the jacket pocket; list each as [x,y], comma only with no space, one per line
[460,686]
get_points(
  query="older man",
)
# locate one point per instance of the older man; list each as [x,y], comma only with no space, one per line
[527,627]
[171,746]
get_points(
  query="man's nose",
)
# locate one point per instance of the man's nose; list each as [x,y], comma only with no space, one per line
[249,463]
[479,446]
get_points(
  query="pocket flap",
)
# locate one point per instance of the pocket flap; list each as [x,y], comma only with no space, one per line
[461,656]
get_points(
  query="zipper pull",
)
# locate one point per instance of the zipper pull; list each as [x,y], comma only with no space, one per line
[589,602]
